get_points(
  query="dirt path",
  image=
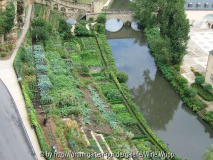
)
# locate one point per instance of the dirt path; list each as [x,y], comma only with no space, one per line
[8,76]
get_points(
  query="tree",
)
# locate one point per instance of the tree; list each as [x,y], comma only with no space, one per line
[101,18]
[170,16]
[122,77]
[100,28]
[143,13]
[174,25]
[208,87]
[7,18]
[41,29]
[81,30]
[199,80]
[65,29]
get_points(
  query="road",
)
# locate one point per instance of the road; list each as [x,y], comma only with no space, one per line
[14,144]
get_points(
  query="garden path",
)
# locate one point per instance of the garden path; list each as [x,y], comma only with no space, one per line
[197,55]
[8,76]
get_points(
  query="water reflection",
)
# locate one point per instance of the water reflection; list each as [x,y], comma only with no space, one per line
[114,25]
[156,100]
[173,122]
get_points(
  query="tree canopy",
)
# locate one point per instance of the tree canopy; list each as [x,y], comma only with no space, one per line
[7,18]
[41,29]
[170,17]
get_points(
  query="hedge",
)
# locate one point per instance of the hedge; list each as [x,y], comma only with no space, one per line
[206,95]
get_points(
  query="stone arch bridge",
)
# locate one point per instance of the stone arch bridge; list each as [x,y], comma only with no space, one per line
[123,15]
[73,10]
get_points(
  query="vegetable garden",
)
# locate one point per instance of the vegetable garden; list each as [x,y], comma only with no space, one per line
[91,111]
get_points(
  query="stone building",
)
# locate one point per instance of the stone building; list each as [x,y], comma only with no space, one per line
[209,69]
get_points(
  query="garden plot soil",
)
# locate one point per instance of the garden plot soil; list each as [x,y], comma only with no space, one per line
[49,132]
[103,127]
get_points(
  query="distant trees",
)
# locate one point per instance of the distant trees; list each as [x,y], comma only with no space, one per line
[7,19]
[170,17]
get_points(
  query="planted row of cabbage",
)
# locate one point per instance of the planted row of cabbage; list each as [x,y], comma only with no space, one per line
[44,84]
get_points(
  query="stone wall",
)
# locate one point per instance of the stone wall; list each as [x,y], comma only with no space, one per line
[65,5]
[123,15]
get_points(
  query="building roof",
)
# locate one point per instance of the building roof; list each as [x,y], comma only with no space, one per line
[71,21]
[199,5]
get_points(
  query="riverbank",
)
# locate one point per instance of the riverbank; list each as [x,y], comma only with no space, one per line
[157,99]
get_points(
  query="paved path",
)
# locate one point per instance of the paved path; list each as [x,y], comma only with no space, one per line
[13,140]
[8,76]
[199,45]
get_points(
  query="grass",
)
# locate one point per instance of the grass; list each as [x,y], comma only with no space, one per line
[206,95]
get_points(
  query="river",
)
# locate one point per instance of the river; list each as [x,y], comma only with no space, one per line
[175,123]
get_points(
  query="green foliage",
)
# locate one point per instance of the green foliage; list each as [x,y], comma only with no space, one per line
[7,18]
[91,20]
[205,94]
[209,117]
[113,94]
[81,30]
[41,29]
[84,70]
[101,18]
[174,26]
[143,13]
[190,92]
[199,80]
[94,145]
[122,77]
[100,28]
[64,29]
[208,87]
[173,75]
[209,153]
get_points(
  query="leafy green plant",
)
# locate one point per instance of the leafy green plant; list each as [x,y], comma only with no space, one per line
[205,94]
[122,77]
[199,80]
[208,87]
[101,18]
[81,30]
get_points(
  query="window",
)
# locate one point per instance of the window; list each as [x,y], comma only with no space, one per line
[190,4]
[198,4]
[207,5]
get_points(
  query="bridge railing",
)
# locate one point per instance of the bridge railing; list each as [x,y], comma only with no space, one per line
[116,11]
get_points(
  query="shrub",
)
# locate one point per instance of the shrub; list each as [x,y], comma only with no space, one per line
[101,18]
[208,87]
[3,55]
[91,20]
[112,94]
[190,92]
[122,77]
[199,80]
[100,28]
[84,69]
[206,95]
[81,30]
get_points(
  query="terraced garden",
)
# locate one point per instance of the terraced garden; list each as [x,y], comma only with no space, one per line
[74,99]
